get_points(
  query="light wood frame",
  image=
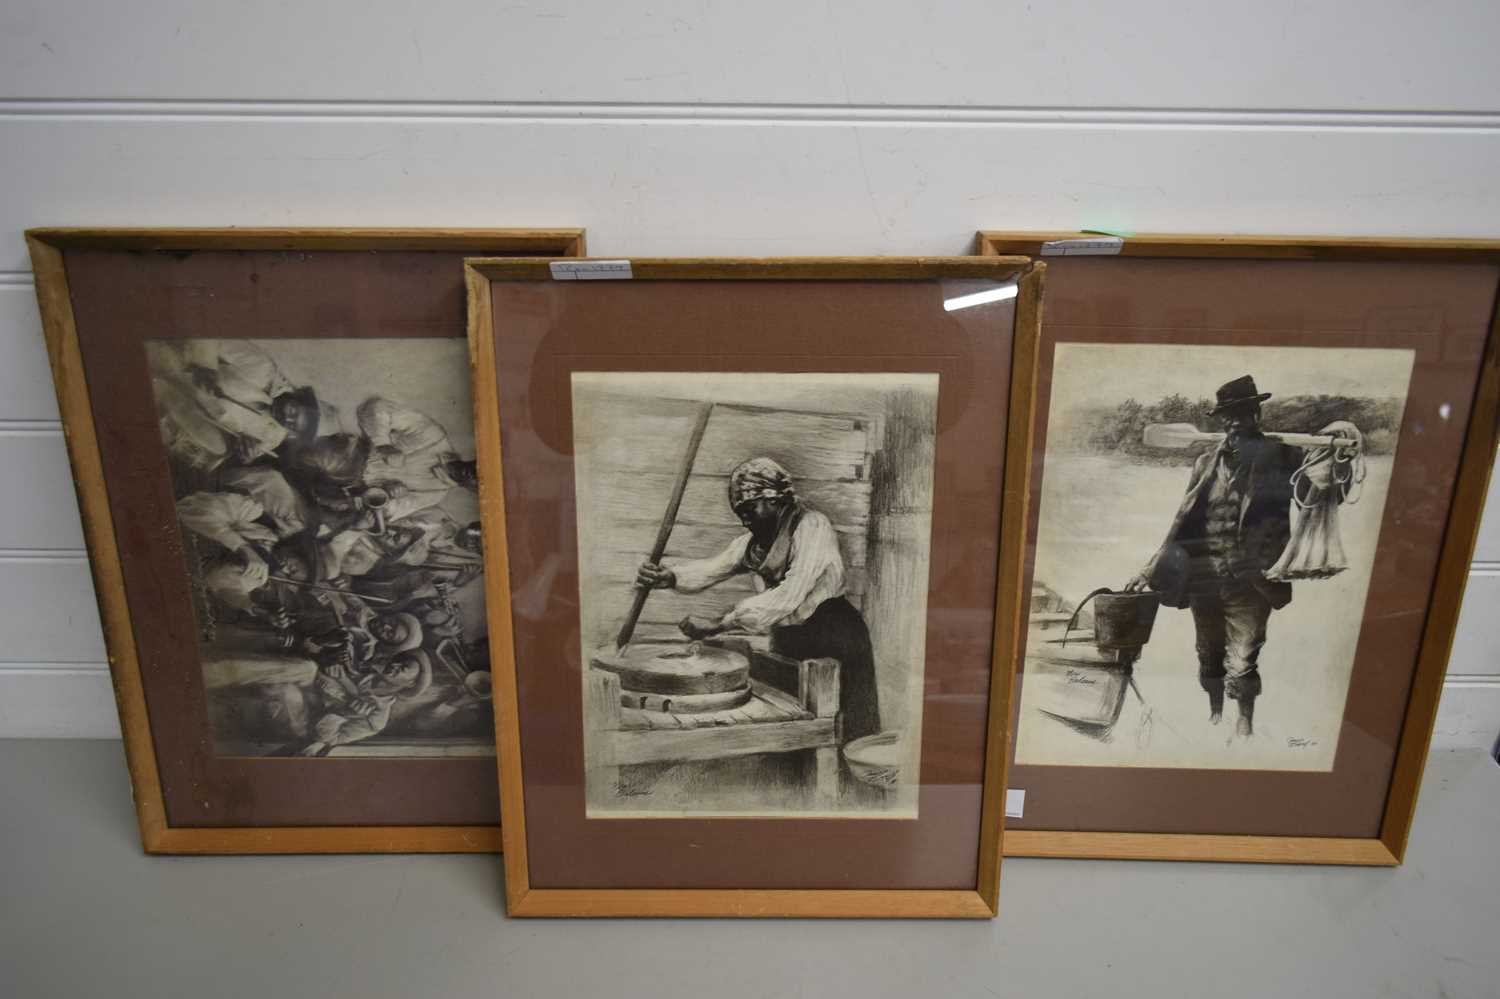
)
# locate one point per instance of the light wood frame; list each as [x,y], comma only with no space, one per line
[981,901]
[1483,435]
[47,247]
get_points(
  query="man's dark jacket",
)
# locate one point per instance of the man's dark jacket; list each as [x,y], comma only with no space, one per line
[1265,524]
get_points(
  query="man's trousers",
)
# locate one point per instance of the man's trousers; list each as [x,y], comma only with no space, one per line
[1230,618]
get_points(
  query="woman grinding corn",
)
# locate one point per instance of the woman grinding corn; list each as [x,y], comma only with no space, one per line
[793,555]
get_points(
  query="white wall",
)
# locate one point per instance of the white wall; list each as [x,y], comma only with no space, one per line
[703,128]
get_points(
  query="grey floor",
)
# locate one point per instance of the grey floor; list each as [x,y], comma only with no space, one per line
[84,913]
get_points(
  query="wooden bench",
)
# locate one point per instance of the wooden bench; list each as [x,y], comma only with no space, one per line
[793,707]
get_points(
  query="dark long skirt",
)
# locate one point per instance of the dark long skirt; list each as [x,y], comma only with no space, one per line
[837,631]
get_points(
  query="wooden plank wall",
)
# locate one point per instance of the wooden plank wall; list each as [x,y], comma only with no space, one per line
[636,446]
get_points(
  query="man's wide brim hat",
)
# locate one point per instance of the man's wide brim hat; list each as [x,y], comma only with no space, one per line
[413,637]
[1239,392]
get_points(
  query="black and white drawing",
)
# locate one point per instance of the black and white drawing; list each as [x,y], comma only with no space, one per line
[1208,526]
[753,555]
[326,496]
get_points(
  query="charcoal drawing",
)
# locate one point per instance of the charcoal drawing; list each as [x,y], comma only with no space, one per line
[1207,530]
[329,526]
[753,555]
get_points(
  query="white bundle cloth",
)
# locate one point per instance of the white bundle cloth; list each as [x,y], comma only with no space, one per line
[1328,478]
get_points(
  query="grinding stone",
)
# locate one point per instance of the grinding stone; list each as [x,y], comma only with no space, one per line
[666,668]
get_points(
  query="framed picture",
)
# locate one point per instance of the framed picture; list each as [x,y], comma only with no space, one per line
[1256,479]
[752,545]
[272,437]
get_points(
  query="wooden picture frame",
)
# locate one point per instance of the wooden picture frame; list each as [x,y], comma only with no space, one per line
[88,439]
[1478,353]
[533,810]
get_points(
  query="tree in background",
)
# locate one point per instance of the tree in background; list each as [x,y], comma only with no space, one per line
[1116,430]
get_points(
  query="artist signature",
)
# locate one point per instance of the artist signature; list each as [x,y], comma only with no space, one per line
[1297,743]
[1078,676]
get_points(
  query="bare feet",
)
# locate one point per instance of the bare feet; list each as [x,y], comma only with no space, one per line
[1245,726]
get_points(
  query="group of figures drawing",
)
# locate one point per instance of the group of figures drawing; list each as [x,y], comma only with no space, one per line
[331,542]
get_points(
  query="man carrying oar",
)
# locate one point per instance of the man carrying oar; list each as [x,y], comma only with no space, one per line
[1232,525]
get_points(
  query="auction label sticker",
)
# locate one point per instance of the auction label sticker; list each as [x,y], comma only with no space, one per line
[1015,802]
[590,270]
[1093,246]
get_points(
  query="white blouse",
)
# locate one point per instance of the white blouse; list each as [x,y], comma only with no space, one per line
[815,573]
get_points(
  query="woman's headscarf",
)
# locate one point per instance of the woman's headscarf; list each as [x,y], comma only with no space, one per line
[759,478]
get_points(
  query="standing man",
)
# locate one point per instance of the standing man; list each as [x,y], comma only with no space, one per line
[1232,525]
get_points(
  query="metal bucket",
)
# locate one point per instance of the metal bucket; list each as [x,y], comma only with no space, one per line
[1122,621]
